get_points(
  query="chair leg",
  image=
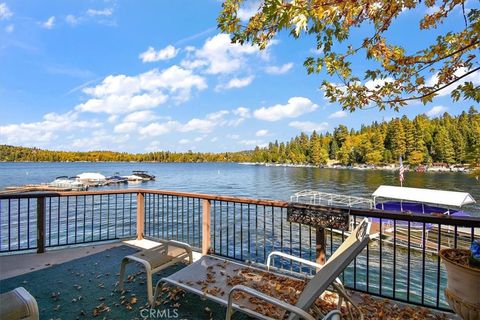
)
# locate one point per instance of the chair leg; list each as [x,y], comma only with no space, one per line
[348,301]
[125,261]
[156,293]
[149,286]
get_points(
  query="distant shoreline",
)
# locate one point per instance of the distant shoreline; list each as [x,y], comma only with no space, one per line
[362,167]
[458,168]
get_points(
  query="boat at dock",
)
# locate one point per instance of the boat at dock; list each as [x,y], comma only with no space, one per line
[134,179]
[92,179]
[144,175]
[71,183]
[423,236]
[116,179]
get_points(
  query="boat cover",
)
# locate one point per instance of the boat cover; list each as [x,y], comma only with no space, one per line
[91,176]
[440,197]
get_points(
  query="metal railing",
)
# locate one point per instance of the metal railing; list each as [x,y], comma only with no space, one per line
[400,263]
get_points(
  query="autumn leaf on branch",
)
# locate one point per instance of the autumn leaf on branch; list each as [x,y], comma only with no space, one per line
[398,77]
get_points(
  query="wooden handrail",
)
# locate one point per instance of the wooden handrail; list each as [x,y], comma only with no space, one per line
[403,216]
[263,202]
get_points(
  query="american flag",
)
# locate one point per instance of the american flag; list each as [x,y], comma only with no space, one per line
[401,170]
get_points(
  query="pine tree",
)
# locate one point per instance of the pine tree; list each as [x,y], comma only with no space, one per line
[340,134]
[396,138]
[409,130]
[444,151]
[318,155]
[333,149]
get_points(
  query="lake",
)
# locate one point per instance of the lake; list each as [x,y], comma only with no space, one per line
[277,183]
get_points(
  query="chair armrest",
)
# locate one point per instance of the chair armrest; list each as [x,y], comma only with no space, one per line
[179,244]
[266,298]
[289,256]
[333,315]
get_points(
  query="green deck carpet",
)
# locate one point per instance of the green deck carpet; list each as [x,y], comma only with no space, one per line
[72,290]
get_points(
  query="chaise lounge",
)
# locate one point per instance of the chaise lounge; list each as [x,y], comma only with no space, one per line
[265,292]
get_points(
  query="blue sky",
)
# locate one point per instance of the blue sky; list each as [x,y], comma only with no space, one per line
[141,76]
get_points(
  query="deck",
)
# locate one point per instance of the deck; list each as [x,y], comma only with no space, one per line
[74,241]
[82,284]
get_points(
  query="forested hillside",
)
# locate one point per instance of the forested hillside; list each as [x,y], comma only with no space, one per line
[422,140]
[11,153]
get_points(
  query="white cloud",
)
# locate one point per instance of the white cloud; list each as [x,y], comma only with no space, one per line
[100,140]
[279,69]
[295,107]
[214,139]
[151,55]
[100,12]
[436,111]
[125,127]
[112,119]
[338,114]
[216,116]
[474,77]
[72,20]
[45,130]
[9,28]
[252,143]
[184,141]
[235,83]
[235,122]
[124,94]
[153,146]
[140,116]
[248,9]
[233,136]
[261,133]
[242,112]
[204,125]
[157,129]
[219,56]
[201,125]
[49,24]
[316,51]
[211,121]
[308,126]
[5,12]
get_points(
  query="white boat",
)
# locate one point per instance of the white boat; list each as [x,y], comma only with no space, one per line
[134,179]
[92,179]
[68,183]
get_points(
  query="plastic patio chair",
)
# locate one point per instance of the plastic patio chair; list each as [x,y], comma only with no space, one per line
[157,259]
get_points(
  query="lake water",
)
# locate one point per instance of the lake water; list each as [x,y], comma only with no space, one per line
[277,183]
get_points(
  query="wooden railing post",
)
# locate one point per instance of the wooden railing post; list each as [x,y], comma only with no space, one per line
[140,215]
[320,245]
[206,227]
[40,224]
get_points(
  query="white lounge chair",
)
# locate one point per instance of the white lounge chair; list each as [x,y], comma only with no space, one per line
[18,304]
[233,284]
[156,259]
